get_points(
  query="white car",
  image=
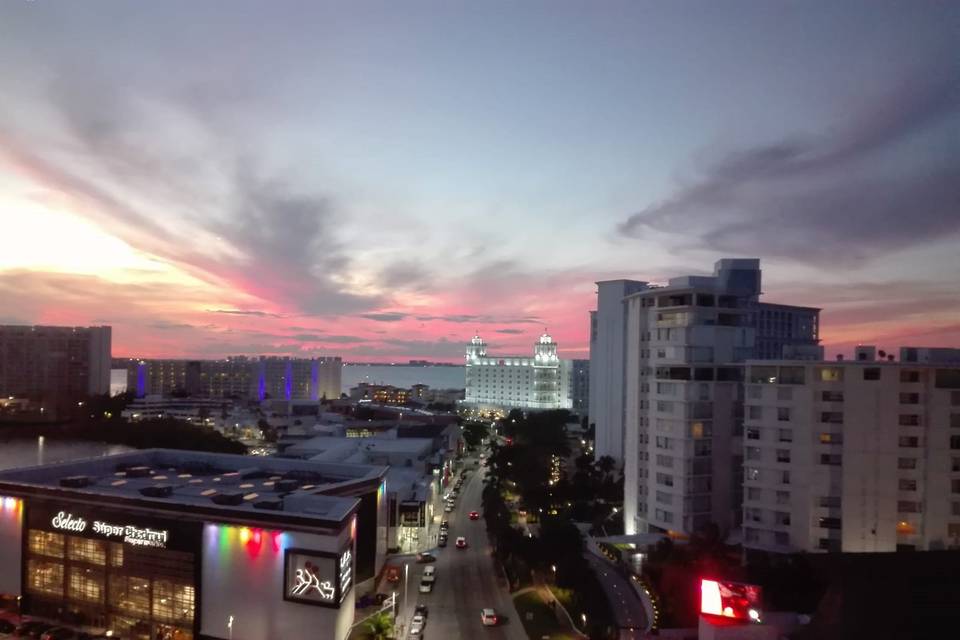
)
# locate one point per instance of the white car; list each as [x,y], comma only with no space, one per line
[426,586]
[429,571]
[489,617]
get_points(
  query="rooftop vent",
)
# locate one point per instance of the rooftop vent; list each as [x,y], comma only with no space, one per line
[286,485]
[139,472]
[232,498]
[157,491]
[75,482]
[273,504]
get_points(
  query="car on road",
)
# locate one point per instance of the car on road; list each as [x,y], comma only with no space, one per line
[474,515]
[417,622]
[442,541]
[32,629]
[444,524]
[393,573]
[448,508]
[421,610]
[426,556]
[461,543]
[489,617]
[430,571]
[426,586]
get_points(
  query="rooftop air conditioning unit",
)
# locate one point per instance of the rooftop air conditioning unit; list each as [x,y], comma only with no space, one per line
[75,482]
[228,499]
[157,491]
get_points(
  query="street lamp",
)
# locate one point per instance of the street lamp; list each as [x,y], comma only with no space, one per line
[406,581]
[230,627]
[583,617]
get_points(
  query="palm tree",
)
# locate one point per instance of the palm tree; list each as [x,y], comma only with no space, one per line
[380,626]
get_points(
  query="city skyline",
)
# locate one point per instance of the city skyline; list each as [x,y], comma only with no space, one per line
[301,179]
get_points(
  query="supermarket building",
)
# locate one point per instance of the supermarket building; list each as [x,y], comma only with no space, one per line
[183,545]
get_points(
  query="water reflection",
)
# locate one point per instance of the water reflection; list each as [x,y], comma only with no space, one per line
[20,452]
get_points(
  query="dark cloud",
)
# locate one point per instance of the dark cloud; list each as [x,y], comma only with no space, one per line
[513,332]
[480,319]
[246,312]
[164,325]
[332,339]
[832,199]
[386,316]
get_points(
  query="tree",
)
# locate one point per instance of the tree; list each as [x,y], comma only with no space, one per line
[379,626]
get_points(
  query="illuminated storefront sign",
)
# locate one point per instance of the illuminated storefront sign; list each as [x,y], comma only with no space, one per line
[316,577]
[130,534]
[736,601]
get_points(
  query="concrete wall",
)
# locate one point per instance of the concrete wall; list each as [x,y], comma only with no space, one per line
[247,583]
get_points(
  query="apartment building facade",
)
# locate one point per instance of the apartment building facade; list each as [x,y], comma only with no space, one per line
[685,347]
[54,363]
[852,456]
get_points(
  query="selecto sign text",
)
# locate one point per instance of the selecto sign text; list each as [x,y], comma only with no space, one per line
[130,534]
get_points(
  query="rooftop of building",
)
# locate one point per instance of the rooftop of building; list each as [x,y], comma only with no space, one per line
[330,446]
[219,486]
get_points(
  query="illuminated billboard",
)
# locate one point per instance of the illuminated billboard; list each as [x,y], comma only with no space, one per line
[732,600]
[317,577]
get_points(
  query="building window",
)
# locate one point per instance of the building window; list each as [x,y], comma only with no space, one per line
[754,391]
[755,412]
[83,550]
[831,396]
[783,414]
[829,523]
[781,518]
[830,502]
[909,420]
[792,375]
[752,453]
[751,473]
[909,398]
[754,493]
[829,544]
[906,463]
[908,484]
[753,433]
[665,461]
[908,441]
[754,515]
[831,438]
[955,508]
[665,479]
[955,442]
[664,497]
[954,464]
[955,420]
[86,584]
[784,477]
[908,506]
[130,594]
[832,459]
[45,577]
[173,602]
[871,373]
[909,376]
[785,435]
[784,394]
[783,455]
[955,486]
[955,398]
[831,374]
[45,543]
[831,417]
[783,497]
[752,535]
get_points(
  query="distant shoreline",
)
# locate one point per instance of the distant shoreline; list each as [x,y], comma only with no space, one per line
[402,364]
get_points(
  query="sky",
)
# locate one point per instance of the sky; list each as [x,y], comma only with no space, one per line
[380,180]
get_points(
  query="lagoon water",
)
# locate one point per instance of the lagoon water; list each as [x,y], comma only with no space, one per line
[402,376]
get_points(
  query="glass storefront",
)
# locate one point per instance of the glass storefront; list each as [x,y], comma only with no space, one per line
[139,592]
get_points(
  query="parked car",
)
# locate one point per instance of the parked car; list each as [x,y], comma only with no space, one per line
[421,609]
[393,573]
[429,571]
[448,508]
[426,556]
[417,623]
[426,586]
[489,617]
[32,629]
[442,541]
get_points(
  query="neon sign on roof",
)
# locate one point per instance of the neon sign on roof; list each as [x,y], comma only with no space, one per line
[733,600]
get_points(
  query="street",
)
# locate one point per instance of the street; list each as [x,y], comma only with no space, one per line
[467,579]
[627,609]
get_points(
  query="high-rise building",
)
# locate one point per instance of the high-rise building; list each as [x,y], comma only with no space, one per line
[608,360]
[854,456]
[241,378]
[580,386]
[54,363]
[686,344]
[498,383]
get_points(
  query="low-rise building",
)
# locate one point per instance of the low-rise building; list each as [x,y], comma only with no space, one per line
[179,544]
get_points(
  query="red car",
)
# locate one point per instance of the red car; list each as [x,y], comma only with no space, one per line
[461,543]
[474,515]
